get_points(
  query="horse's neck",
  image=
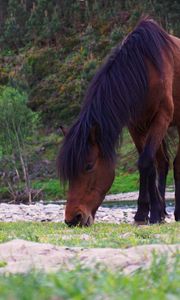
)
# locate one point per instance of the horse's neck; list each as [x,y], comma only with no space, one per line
[176,54]
[176,41]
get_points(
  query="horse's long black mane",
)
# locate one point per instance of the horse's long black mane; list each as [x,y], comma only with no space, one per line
[115,97]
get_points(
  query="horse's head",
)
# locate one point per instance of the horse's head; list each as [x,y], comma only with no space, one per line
[87,191]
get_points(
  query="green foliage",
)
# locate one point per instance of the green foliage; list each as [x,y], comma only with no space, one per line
[57,87]
[57,77]
[42,20]
[17,123]
[100,283]
[38,65]
[2,264]
[169,12]
[15,119]
[158,282]
[52,189]
[14,25]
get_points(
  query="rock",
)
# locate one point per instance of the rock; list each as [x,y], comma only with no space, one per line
[19,256]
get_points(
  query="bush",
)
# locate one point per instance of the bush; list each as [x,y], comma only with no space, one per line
[17,123]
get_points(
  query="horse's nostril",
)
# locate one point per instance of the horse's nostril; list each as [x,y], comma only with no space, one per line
[67,223]
[78,217]
[75,221]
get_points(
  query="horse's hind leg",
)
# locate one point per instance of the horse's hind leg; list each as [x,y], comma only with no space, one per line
[162,161]
[146,162]
[177,182]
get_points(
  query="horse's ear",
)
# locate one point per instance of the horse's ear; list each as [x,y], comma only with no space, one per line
[63,130]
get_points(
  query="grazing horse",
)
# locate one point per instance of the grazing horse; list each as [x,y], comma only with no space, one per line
[137,87]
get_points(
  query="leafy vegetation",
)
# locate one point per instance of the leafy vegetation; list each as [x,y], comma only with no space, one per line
[155,283]
[56,46]
[17,123]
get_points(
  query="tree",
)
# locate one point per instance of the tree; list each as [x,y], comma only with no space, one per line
[17,122]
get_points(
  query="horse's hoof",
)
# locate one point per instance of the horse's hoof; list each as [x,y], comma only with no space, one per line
[141,219]
[140,223]
[156,220]
[177,217]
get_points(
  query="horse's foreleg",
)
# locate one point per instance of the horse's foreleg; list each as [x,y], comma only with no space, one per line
[146,162]
[177,182]
[142,213]
[162,159]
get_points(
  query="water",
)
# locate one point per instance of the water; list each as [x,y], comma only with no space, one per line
[133,204]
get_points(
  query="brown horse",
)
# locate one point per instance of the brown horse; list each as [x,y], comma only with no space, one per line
[137,87]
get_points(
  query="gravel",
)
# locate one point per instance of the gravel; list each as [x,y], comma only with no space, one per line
[55,213]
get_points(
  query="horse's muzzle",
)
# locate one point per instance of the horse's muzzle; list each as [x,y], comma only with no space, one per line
[80,220]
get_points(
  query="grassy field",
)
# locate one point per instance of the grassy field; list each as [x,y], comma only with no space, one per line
[84,284]
[158,282]
[99,235]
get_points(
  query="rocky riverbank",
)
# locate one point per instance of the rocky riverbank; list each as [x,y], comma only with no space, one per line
[55,213]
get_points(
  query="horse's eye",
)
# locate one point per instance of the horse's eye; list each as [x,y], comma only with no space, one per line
[88,167]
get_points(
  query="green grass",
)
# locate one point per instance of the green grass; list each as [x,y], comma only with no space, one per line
[158,282]
[2,264]
[98,235]
[124,182]
[52,189]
